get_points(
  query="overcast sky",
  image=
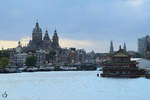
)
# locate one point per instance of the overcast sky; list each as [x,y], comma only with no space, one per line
[88,24]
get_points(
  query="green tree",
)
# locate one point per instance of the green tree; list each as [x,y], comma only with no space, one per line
[52,55]
[30,61]
[4,53]
[4,62]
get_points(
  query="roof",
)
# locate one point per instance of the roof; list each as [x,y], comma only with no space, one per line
[121,53]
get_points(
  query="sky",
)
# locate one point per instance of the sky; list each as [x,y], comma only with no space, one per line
[84,24]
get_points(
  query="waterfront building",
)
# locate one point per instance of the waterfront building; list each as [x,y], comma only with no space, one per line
[41,57]
[81,56]
[91,57]
[20,59]
[72,56]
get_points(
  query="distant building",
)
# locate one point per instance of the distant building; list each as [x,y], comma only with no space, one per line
[20,59]
[45,43]
[91,57]
[144,46]
[41,57]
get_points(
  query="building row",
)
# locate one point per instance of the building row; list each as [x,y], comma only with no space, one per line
[47,50]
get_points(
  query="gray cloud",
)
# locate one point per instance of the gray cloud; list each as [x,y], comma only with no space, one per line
[91,20]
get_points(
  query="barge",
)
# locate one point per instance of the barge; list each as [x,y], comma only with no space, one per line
[120,65]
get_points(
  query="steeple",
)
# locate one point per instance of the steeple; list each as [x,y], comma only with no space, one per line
[46,37]
[55,36]
[55,43]
[111,47]
[37,24]
[124,47]
[120,47]
[55,32]
[19,44]
[37,27]
[19,47]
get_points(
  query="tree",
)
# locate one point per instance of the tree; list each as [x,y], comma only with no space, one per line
[52,55]
[30,61]
[4,53]
[4,62]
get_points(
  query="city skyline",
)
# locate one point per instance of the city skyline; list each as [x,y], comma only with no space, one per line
[90,24]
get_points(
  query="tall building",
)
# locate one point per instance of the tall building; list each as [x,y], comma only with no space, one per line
[144,46]
[111,47]
[45,43]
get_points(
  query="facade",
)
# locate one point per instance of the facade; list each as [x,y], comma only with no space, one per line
[72,56]
[91,57]
[41,57]
[20,59]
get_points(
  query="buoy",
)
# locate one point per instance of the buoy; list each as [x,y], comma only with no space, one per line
[97,75]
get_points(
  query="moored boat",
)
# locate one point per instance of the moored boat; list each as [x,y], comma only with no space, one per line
[120,65]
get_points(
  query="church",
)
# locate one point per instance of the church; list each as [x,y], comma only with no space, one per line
[39,42]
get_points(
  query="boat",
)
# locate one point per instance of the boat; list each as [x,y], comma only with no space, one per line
[120,65]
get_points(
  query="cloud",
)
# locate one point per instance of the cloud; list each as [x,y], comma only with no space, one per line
[12,44]
[101,46]
[88,45]
[7,44]
[136,3]
[74,43]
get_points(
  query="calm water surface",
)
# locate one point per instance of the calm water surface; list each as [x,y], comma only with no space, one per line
[72,86]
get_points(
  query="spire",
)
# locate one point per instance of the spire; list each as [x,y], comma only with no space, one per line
[124,47]
[46,37]
[55,36]
[55,43]
[55,32]
[111,47]
[120,47]
[19,44]
[37,24]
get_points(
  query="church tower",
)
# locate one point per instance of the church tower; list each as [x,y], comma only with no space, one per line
[37,33]
[46,36]
[55,43]
[111,47]
[46,41]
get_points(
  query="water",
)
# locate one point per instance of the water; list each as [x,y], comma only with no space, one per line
[72,86]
